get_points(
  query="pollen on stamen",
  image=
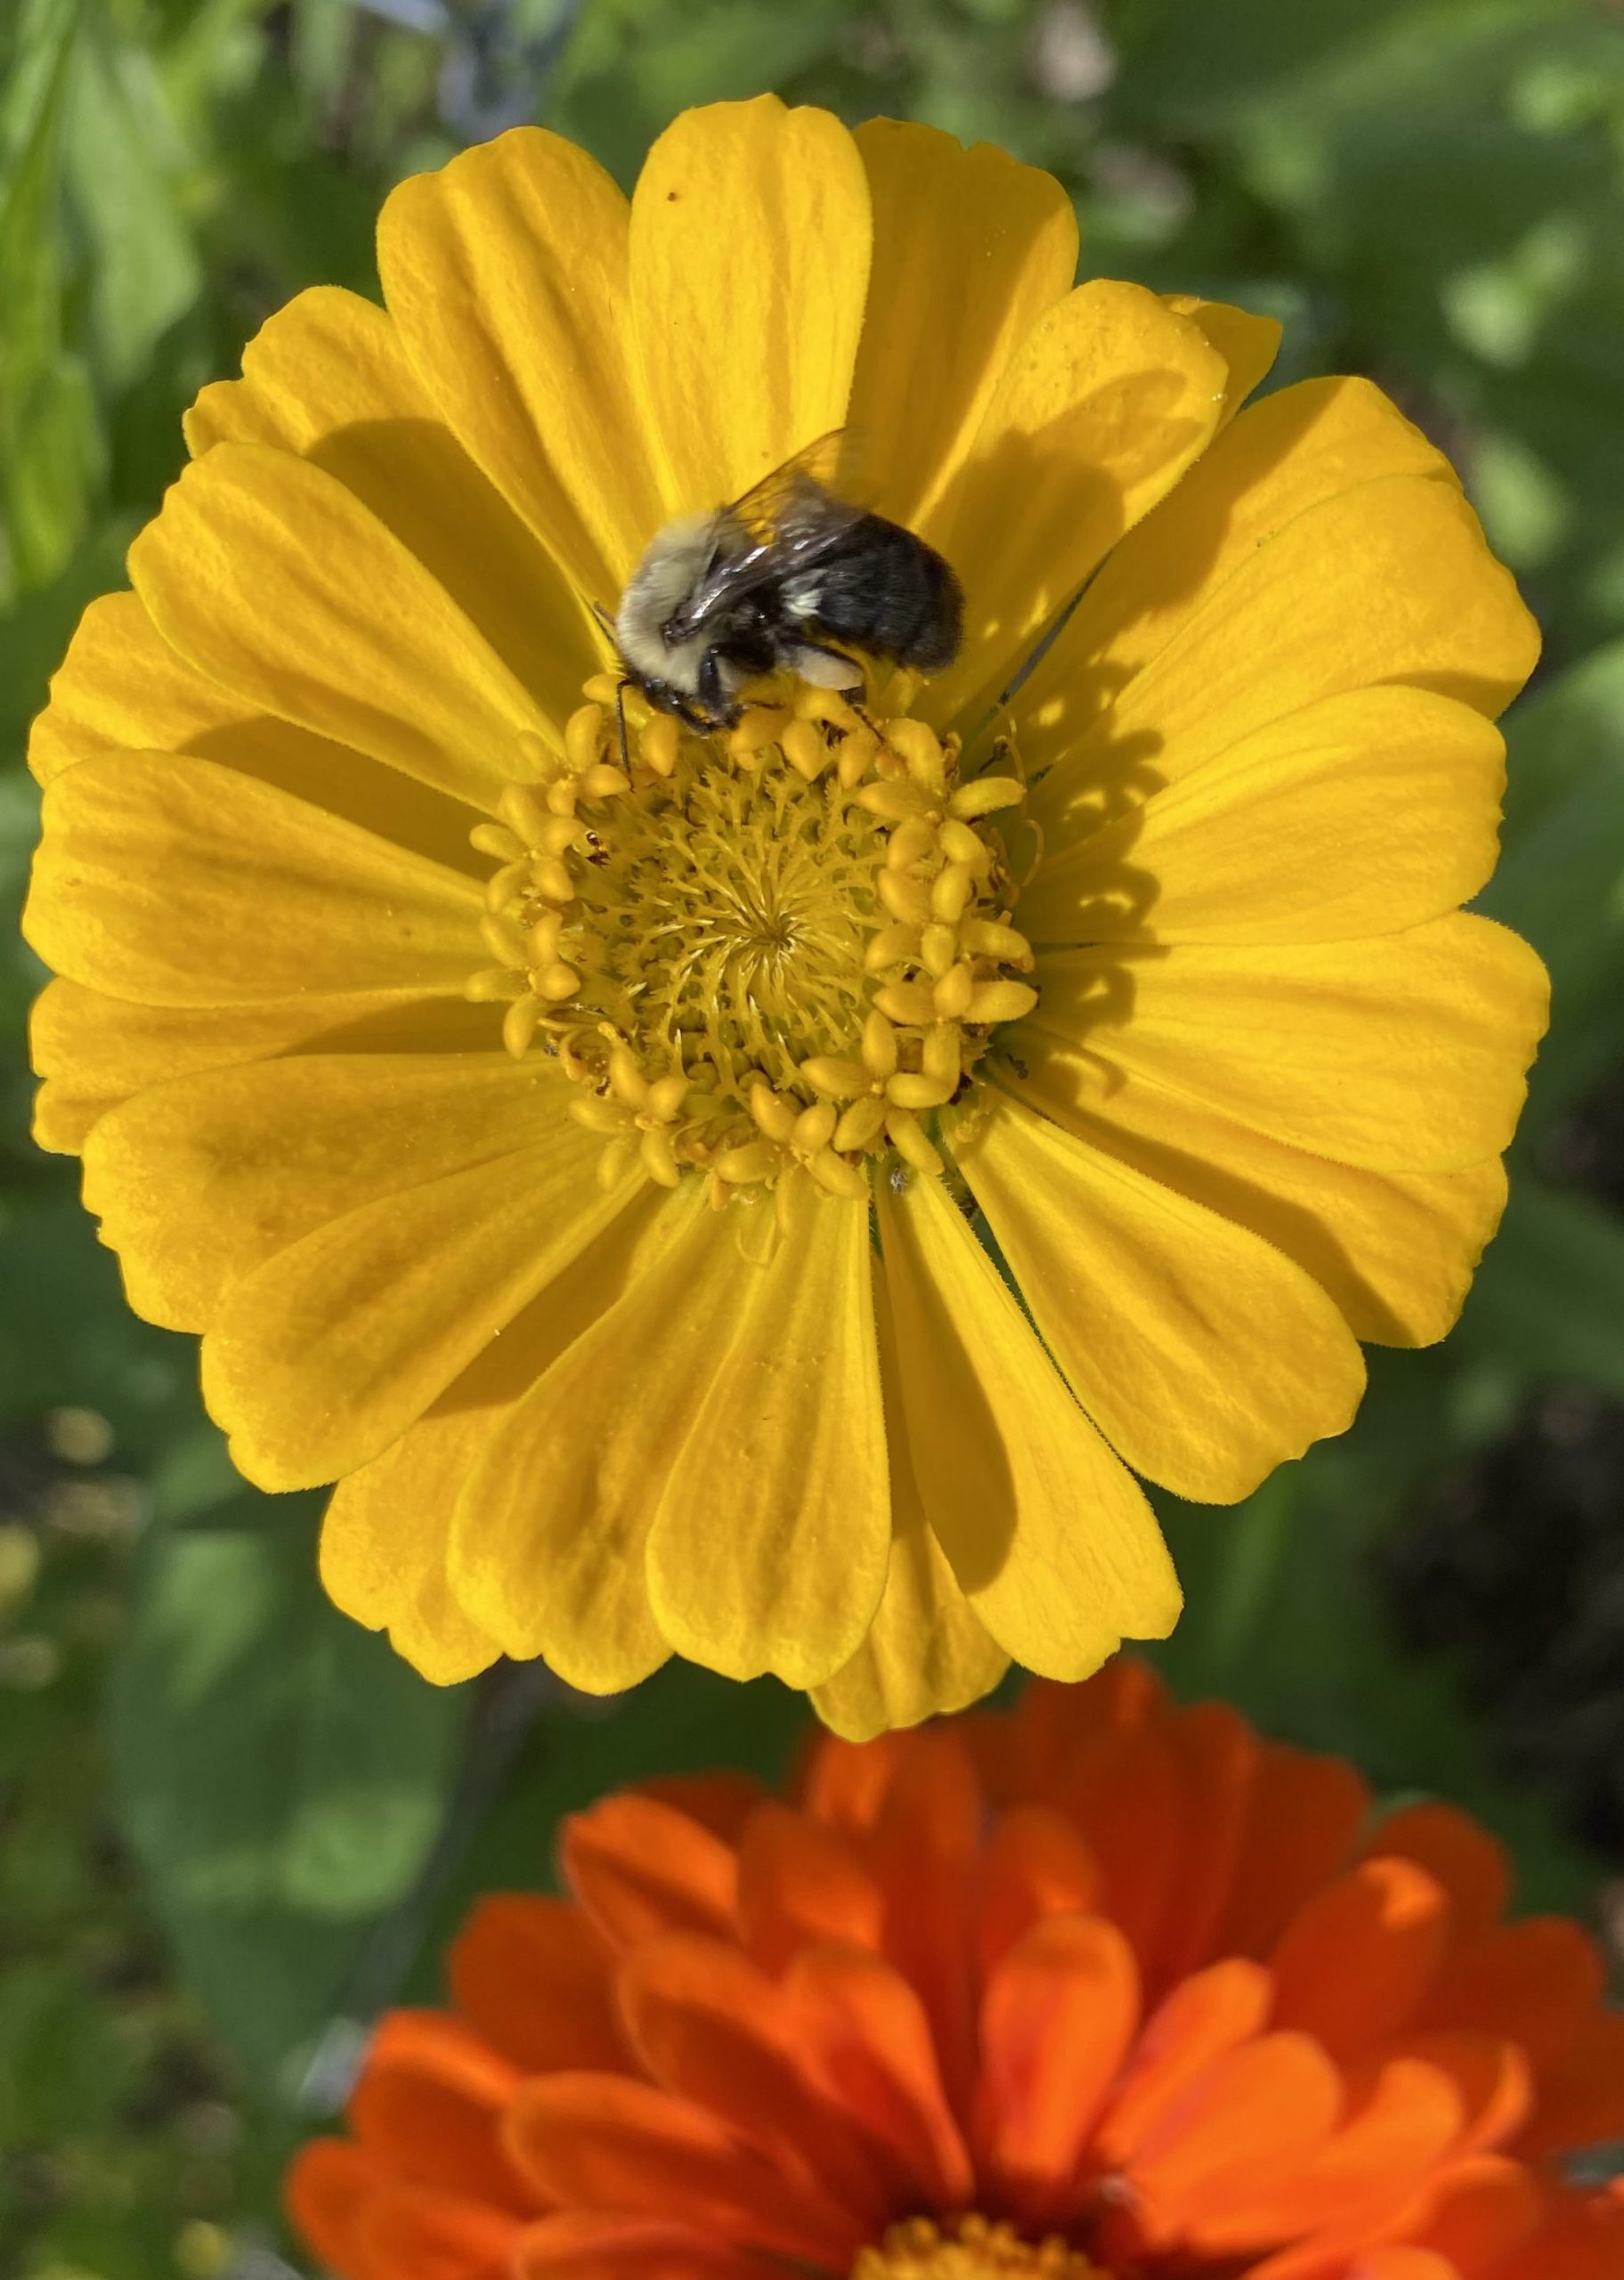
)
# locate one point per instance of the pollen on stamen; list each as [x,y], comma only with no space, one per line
[973,2249]
[770,957]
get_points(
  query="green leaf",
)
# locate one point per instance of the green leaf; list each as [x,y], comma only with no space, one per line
[280,1775]
[51,454]
[682,1720]
[1561,879]
[1283,1620]
[123,163]
[1550,1290]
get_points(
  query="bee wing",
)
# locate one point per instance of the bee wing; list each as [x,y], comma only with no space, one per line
[791,519]
[814,487]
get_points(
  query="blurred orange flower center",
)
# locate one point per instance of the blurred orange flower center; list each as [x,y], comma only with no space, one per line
[971,2250]
[763,953]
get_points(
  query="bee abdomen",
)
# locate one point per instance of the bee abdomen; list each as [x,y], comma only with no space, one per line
[888,592]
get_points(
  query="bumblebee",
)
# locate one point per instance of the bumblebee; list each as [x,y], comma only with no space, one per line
[791,576]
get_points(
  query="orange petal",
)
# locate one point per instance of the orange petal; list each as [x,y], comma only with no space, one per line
[1580,2094]
[801,1883]
[640,1867]
[1057,2021]
[925,1845]
[1368,2169]
[714,2029]
[1537,1983]
[1217,1755]
[1579,2239]
[1205,2018]
[429,2101]
[406,2233]
[530,1975]
[866,2039]
[1053,1726]
[1306,1818]
[599,2141]
[1480,2212]
[1491,2081]
[1128,1798]
[328,2184]
[1472,1866]
[1262,2110]
[576,2244]
[722,1803]
[1037,1863]
[846,1783]
[1356,1961]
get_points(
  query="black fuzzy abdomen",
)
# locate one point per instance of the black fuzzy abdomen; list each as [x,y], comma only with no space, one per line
[888,592]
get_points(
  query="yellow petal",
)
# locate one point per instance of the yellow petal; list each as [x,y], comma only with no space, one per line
[1247,344]
[971,249]
[1291,453]
[1362,814]
[506,272]
[1108,402]
[202,1180]
[769,1547]
[433,1635]
[1388,583]
[267,574]
[385,1556]
[1204,1355]
[927,1652]
[749,252]
[180,882]
[1405,1053]
[328,377]
[324,1356]
[1051,1540]
[122,687]
[548,1540]
[1395,1250]
[93,1051]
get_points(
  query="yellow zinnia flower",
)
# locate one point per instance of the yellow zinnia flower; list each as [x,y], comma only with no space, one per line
[597,1170]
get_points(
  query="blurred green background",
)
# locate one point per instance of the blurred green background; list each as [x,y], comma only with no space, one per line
[232,1825]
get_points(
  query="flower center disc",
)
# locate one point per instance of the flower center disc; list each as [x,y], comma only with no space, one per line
[971,2250]
[776,950]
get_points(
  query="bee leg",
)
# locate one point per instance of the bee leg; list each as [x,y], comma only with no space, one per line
[713,697]
[621,687]
[691,715]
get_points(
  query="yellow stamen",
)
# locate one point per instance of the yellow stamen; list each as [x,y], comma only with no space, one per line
[973,2249]
[771,956]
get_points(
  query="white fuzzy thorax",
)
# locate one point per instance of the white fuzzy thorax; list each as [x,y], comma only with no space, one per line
[673,563]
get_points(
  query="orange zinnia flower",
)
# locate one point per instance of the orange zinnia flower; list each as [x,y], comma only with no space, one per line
[1102,1990]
